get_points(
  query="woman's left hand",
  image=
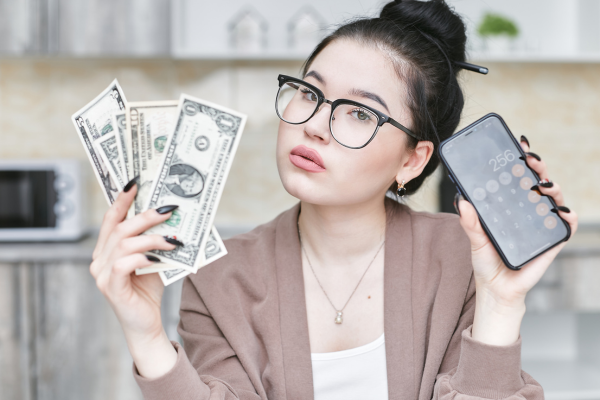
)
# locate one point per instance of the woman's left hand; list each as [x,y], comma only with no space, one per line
[499,288]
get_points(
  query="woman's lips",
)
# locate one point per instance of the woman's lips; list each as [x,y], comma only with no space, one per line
[307,159]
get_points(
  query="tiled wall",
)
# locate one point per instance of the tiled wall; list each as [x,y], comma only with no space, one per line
[555,105]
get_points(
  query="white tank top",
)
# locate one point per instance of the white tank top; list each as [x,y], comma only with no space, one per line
[354,374]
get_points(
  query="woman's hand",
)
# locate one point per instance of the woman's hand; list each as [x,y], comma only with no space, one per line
[501,291]
[134,298]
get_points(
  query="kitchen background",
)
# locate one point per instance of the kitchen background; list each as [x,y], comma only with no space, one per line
[58,337]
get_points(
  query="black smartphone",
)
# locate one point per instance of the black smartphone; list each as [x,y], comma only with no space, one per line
[487,165]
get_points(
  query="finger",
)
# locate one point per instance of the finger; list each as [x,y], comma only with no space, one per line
[553,191]
[141,244]
[118,281]
[539,166]
[139,224]
[470,223]
[524,143]
[115,214]
[570,218]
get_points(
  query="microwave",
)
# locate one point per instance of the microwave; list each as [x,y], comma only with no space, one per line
[41,200]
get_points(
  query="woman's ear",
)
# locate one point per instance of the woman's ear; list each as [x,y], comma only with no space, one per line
[416,162]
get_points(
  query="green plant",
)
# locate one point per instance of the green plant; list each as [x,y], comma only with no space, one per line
[495,25]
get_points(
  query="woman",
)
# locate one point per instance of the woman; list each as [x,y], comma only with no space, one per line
[299,308]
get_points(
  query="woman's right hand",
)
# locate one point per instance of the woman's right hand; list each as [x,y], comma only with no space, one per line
[135,299]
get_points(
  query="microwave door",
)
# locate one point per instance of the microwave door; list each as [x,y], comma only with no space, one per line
[27,199]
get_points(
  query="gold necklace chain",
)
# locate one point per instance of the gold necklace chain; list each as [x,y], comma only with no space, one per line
[339,317]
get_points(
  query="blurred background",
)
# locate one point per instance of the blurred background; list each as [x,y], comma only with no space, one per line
[58,337]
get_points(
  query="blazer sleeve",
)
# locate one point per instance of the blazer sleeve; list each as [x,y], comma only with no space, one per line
[472,370]
[209,370]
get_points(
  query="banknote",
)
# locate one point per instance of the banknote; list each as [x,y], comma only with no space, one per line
[120,124]
[192,175]
[106,147]
[150,125]
[95,120]
[213,250]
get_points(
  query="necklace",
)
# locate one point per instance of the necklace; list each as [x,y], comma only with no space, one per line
[340,312]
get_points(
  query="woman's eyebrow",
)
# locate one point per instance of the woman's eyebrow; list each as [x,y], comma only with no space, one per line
[368,95]
[315,75]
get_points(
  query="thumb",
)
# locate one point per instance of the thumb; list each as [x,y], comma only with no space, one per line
[470,223]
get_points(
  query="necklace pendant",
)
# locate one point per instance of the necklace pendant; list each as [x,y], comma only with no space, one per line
[338,318]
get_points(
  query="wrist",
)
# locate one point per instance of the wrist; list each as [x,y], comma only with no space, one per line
[497,321]
[153,355]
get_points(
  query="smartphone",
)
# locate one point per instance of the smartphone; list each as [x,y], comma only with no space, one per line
[487,165]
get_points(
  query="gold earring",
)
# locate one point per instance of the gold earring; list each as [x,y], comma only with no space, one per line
[401,189]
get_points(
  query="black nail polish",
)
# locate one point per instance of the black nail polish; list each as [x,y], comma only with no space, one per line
[152,258]
[130,184]
[524,139]
[535,187]
[546,184]
[534,156]
[165,209]
[456,199]
[560,208]
[173,241]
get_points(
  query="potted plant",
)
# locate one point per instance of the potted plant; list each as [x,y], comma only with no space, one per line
[498,33]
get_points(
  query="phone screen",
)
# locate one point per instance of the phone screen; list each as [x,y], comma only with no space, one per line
[485,160]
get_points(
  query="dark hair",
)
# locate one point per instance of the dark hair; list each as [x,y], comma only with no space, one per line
[425,38]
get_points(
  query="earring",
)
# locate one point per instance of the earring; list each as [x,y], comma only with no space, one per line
[401,189]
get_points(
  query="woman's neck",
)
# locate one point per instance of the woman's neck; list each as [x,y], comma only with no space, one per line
[339,236]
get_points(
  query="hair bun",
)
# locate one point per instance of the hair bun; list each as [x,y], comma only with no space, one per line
[433,18]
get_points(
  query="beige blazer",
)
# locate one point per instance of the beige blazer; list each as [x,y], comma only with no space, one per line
[245,332]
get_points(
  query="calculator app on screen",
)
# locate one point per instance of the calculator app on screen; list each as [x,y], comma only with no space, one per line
[485,161]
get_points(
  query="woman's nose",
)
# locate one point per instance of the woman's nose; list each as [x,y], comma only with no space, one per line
[318,126]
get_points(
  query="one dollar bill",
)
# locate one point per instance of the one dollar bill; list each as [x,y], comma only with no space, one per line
[192,175]
[94,121]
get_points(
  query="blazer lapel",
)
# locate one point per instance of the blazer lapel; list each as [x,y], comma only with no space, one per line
[295,342]
[398,317]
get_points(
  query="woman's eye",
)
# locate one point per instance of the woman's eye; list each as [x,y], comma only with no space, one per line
[309,95]
[361,115]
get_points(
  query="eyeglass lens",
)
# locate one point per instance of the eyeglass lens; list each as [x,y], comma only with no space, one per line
[351,125]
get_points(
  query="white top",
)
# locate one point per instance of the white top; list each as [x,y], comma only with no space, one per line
[354,374]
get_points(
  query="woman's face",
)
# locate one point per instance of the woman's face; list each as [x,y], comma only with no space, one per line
[345,69]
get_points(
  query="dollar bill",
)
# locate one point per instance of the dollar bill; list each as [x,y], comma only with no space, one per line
[93,121]
[120,124]
[214,249]
[150,125]
[106,147]
[192,174]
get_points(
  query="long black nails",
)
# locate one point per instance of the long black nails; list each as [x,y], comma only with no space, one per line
[457,197]
[534,156]
[165,209]
[152,258]
[547,184]
[560,208]
[173,241]
[130,184]
[524,139]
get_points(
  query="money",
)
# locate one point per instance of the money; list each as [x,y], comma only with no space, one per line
[120,124]
[150,125]
[213,250]
[106,147]
[94,121]
[192,174]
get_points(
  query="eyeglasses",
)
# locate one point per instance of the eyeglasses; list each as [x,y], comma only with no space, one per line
[352,124]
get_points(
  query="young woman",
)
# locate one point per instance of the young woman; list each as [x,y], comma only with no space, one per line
[348,295]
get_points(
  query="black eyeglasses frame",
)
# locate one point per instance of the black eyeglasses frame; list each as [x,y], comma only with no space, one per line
[382,118]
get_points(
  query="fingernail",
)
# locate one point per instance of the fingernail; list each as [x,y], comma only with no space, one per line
[534,156]
[546,184]
[173,241]
[560,208]
[165,209]
[524,139]
[152,258]
[457,197]
[130,184]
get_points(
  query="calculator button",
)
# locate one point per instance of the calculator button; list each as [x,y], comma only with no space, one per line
[533,197]
[550,222]
[542,209]
[518,170]
[526,183]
